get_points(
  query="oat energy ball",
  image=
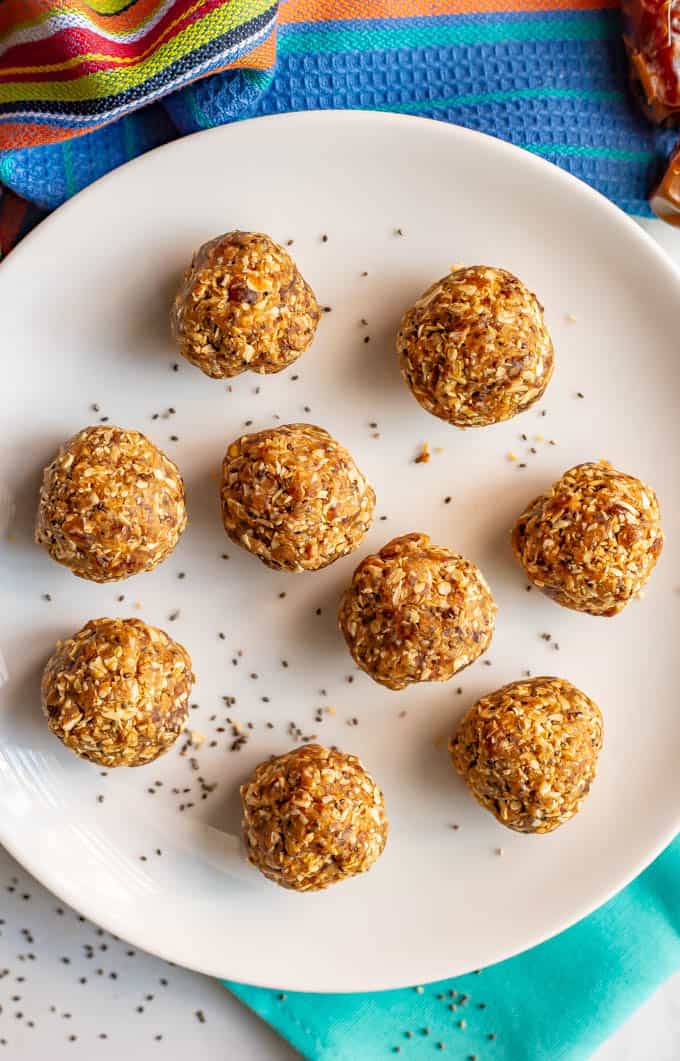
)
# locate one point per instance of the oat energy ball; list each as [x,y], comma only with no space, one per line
[592,540]
[111,504]
[528,752]
[313,817]
[475,349]
[243,305]
[294,497]
[416,612]
[117,692]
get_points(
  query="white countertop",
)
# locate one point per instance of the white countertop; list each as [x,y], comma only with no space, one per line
[69,990]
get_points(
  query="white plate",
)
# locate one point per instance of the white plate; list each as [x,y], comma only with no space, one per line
[84,307]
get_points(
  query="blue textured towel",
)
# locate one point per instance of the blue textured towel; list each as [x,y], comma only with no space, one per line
[557,1002]
[552,80]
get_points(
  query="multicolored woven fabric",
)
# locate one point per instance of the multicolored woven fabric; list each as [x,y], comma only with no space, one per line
[91,84]
[68,67]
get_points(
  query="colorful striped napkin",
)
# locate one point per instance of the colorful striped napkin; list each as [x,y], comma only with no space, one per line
[84,86]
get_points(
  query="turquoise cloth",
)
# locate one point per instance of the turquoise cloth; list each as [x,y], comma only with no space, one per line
[557,1002]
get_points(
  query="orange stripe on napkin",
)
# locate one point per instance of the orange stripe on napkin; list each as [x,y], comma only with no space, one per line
[334,10]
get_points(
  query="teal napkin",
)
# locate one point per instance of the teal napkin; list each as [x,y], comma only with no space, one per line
[557,1002]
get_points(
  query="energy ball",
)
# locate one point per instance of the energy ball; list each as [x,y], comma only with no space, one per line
[313,817]
[528,752]
[117,692]
[475,349]
[416,612]
[111,505]
[591,541]
[243,305]
[294,497]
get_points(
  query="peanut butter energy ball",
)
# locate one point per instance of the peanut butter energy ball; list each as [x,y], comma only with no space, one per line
[313,817]
[416,612]
[528,752]
[243,305]
[592,540]
[294,497]
[111,504]
[117,692]
[475,349]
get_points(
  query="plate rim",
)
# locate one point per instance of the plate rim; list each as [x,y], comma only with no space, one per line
[617,217]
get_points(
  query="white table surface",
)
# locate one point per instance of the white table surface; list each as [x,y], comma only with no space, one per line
[64,983]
